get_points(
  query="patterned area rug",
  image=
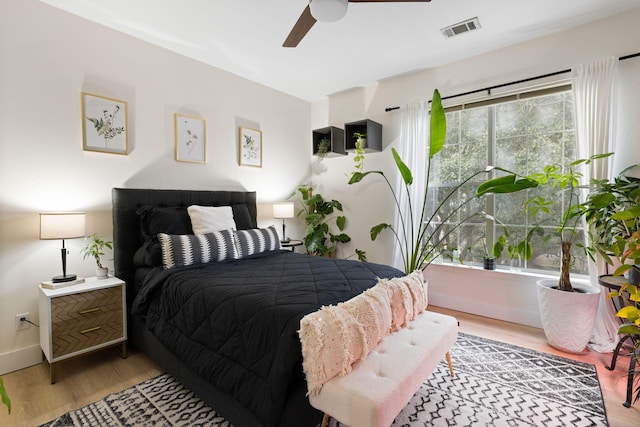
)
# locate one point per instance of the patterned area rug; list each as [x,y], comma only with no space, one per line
[496,384]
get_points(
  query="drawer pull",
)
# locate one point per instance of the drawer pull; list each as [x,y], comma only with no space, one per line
[91,310]
[86,331]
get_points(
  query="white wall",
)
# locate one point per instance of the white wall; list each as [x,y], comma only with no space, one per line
[47,58]
[616,36]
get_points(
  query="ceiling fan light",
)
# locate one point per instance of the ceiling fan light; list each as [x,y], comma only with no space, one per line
[328,10]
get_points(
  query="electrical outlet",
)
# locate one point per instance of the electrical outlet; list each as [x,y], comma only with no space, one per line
[21,324]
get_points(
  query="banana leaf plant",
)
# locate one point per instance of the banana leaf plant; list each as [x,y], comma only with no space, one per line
[4,396]
[419,241]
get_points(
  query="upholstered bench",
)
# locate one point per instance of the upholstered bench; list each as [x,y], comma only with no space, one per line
[381,385]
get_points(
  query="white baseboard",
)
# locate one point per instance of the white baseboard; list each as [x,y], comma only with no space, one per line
[485,309]
[20,359]
[499,294]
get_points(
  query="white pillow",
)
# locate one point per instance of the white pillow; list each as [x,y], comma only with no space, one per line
[207,219]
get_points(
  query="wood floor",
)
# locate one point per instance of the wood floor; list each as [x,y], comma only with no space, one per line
[87,379]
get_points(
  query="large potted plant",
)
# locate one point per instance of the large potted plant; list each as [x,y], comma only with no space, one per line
[612,210]
[417,238]
[321,222]
[567,310]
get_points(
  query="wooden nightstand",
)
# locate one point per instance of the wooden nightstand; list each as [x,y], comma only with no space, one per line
[82,318]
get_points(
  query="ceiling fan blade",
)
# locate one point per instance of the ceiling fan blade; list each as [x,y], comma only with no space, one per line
[300,29]
[387,1]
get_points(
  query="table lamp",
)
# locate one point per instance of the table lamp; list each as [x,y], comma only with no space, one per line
[283,210]
[68,225]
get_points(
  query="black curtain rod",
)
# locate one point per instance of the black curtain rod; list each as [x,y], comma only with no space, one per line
[488,89]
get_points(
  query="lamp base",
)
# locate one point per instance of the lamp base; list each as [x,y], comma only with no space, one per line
[65,278]
[285,240]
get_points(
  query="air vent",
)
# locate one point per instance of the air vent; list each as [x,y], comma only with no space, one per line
[461,27]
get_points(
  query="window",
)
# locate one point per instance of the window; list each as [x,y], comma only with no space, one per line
[522,135]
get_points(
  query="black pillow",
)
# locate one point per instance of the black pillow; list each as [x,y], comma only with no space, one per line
[242,217]
[169,220]
[148,255]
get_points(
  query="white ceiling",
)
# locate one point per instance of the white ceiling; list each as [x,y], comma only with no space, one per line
[372,42]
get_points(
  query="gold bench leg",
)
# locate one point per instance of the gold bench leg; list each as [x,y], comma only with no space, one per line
[450,363]
[325,420]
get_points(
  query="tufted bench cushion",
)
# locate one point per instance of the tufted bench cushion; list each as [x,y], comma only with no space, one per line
[378,387]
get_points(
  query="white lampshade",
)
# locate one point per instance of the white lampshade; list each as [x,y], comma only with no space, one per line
[67,225]
[283,210]
[328,10]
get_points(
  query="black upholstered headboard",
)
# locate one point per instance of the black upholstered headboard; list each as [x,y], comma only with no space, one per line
[127,236]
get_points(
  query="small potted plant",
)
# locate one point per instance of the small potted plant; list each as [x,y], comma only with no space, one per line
[361,139]
[95,248]
[324,146]
[519,250]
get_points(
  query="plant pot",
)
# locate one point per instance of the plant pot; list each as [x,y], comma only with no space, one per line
[362,142]
[633,275]
[489,263]
[567,317]
[102,273]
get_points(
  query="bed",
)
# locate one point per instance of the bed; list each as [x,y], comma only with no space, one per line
[226,329]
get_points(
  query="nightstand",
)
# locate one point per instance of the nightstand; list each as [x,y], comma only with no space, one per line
[291,244]
[82,318]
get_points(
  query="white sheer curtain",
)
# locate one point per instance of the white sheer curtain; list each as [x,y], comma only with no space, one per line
[593,94]
[413,149]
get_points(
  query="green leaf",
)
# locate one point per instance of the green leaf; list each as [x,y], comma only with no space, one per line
[525,250]
[5,396]
[622,269]
[407,177]
[438,130]
[499,245]
[358,176]
[632,213]
[342,238]
[602,200]
[362,255]
[505,184]
[378,229]
[629,312]
[340,221]
[628,329]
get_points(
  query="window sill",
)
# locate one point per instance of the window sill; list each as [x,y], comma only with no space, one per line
[499,294]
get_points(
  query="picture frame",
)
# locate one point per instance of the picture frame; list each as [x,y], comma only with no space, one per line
[190,138]
[104,124]
[250,147]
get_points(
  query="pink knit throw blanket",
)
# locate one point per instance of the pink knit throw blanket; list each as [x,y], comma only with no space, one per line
[335,337]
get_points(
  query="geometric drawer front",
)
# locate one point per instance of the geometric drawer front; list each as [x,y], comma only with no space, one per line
[85,320]
[82,305]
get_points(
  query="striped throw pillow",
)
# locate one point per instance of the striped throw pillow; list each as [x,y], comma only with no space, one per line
[179,250]
[257,240]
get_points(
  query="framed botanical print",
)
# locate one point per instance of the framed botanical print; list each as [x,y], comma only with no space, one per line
[104,124]
[191,139]
[250,147]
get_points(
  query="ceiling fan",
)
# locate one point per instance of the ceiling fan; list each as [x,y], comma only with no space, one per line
[325,11]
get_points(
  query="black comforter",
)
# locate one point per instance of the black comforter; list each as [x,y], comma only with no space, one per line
[235,323]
